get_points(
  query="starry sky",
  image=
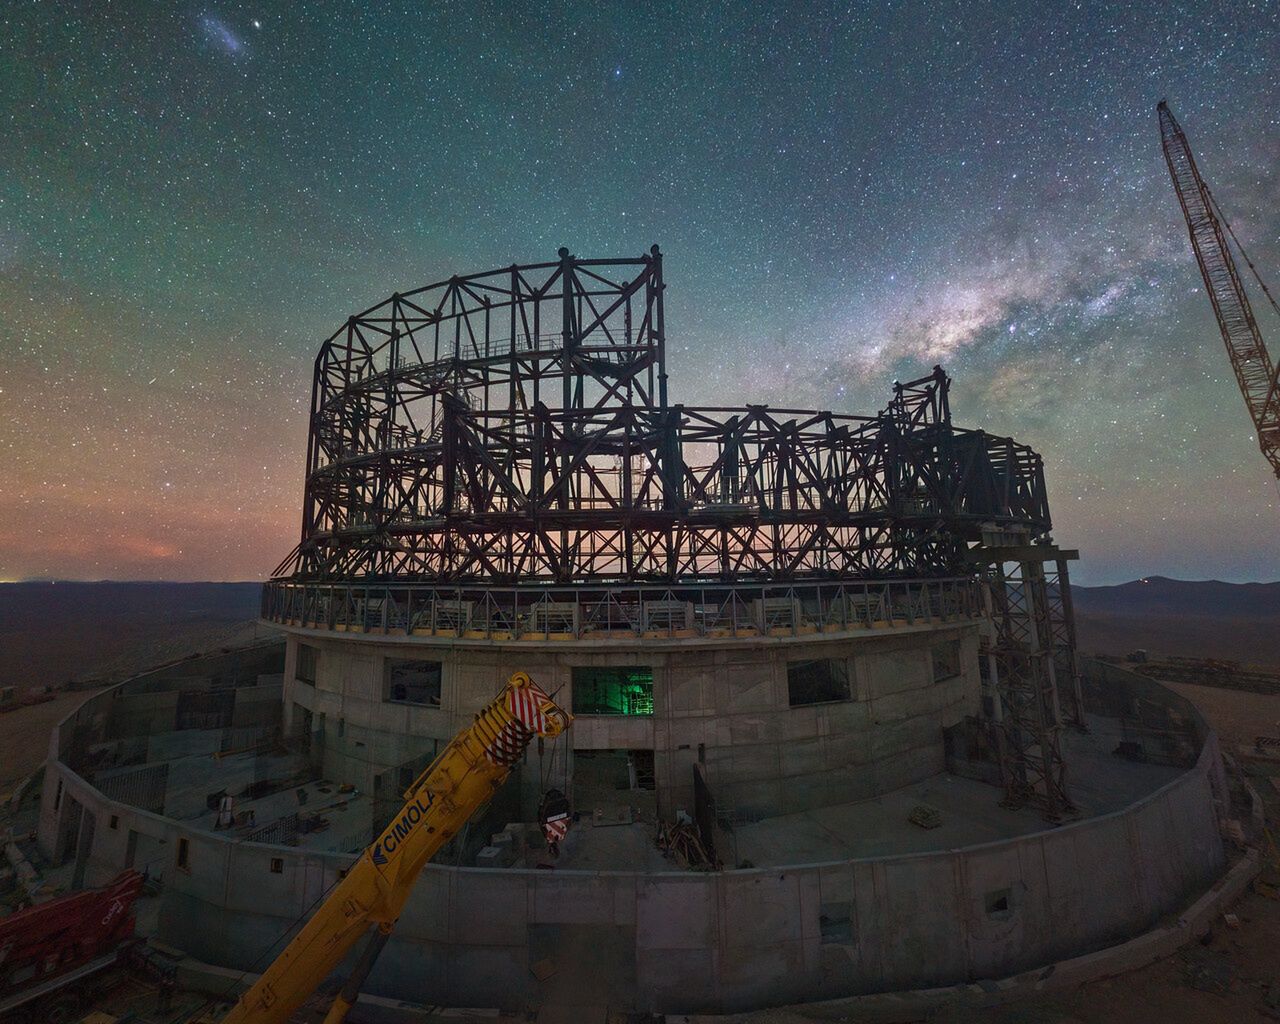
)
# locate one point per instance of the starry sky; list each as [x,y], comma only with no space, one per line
[193,196]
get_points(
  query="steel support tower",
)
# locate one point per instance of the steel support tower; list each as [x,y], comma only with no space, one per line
[1031,665]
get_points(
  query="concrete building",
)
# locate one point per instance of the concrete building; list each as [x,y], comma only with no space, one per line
[779,722]
[843,899]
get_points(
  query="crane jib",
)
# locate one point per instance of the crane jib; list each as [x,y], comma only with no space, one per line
[399,829]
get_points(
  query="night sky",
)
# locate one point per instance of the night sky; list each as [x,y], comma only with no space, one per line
[193,196]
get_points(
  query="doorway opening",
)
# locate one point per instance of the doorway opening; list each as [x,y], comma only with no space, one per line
[615,786]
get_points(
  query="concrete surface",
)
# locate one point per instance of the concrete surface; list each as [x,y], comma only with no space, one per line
[724,702]
[686,942]
[1100,784]
[1193,923]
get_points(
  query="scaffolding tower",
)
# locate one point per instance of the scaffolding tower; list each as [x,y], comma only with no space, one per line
[1030,661]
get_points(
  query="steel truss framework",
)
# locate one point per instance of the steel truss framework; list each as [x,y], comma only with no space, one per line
[1030,658]
[494,456]
[1257,376]
[512,427]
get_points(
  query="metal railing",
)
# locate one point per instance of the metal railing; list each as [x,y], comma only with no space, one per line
[625,611]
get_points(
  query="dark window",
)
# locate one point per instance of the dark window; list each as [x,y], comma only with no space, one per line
[302,725]
[114,822]
[946,660]
[817,682]
[613,690]
[342,726]
[999,904]
[306,670]
[277,865]
[184,853]
[57,796]
[414,682]
[642,763]
[835,923]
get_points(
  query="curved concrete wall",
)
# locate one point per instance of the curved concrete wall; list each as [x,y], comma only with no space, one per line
[723,700]
[689,942]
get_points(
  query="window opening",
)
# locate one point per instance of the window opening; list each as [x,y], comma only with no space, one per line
[414,682]
[817,682]
[999,904]
[306,669]
[613,690]
[946,660]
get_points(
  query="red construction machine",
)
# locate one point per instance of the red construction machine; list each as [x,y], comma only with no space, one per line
[47,950]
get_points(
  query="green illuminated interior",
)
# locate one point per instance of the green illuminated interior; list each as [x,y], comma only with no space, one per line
[613,690]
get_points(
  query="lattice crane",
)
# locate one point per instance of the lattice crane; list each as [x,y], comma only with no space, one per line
[1255,372]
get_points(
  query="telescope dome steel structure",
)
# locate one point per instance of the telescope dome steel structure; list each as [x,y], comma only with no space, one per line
[512,428]
[495,457]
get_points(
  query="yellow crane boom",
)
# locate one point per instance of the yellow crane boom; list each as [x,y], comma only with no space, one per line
[462,779]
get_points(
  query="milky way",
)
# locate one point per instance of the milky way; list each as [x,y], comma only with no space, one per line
[192,198]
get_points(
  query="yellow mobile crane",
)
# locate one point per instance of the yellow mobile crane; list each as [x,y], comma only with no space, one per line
[465,775]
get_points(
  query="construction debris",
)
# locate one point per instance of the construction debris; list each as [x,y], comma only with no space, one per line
[925,816]
[682,843]
[25,874]
[1206,970]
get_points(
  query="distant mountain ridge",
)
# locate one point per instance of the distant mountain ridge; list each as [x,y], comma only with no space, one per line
[1187,618]
[52,632]
[1149,594]
[1162,595]
[39,601]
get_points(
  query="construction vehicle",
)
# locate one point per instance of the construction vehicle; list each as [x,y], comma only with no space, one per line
[1255,372]
[50,949]
[47,950]
[371,896]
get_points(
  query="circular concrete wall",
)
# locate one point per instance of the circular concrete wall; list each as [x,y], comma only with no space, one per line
[683,941]
[780,723]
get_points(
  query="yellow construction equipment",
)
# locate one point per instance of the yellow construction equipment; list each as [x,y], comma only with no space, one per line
[462,779]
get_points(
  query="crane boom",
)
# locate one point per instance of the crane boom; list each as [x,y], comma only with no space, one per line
[1250,360]
[438,803]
